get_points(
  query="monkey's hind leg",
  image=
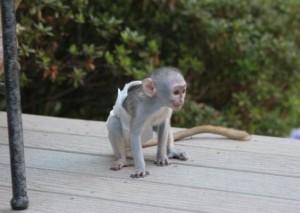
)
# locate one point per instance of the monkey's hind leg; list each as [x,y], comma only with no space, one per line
[117,142]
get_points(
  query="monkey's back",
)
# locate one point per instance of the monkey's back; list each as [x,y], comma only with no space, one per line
[135,95]
[125,108]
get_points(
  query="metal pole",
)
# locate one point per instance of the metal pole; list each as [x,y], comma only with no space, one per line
[14,117]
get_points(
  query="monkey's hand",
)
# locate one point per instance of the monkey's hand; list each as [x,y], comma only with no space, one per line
[163,161]
[119,164]
[177,154]
[140,173]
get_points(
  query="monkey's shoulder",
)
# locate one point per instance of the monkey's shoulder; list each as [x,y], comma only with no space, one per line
[135,94]
[134,90]
[134,97]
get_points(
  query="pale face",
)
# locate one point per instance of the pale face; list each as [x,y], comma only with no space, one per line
[171,90]
[178,95]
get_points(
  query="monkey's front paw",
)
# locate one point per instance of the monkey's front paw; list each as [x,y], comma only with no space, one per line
[163,161]
[140,174]
[180,155]
[119,164]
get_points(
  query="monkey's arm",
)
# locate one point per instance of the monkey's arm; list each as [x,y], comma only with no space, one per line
[227,132]
[136,149]
[163,134]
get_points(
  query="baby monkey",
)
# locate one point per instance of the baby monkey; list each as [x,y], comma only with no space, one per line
[142,108]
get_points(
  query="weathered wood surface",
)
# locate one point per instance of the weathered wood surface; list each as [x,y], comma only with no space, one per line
[67,171]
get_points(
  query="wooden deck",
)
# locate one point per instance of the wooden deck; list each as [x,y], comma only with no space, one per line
[67,166]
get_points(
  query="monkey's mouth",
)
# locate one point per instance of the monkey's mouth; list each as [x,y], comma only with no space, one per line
[177,106]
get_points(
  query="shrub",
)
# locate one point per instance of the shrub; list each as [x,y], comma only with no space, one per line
[241,58]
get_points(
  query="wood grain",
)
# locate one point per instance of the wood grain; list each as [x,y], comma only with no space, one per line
[68,171]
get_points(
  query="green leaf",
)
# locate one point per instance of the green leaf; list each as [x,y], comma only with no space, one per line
[73,49]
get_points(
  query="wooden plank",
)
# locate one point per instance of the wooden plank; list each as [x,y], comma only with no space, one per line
[92,144]
[61,125]
[243,161]
[146,192]
[71,158]
[259,144]
[48,202]
[62,142]
[199,156]
[201,177]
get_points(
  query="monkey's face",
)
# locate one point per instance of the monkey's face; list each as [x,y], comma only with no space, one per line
[172,91]
[168,88]
[178,95]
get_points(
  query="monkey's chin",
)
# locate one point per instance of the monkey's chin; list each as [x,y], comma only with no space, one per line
[176,107]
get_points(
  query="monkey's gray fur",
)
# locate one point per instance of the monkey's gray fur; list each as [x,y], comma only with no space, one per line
[148,107]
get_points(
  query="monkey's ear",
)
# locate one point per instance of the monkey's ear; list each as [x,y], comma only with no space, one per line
[149,87]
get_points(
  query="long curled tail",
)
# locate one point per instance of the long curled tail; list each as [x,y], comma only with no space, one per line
[227,132]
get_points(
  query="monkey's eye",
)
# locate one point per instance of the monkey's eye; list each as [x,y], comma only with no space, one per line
[183,91]
[176,92]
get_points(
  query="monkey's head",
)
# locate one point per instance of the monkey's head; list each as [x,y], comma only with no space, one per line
[168,85]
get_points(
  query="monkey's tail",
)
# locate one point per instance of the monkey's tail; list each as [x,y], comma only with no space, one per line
[227,132]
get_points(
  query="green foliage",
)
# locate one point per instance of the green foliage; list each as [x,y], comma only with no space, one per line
[240,58]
